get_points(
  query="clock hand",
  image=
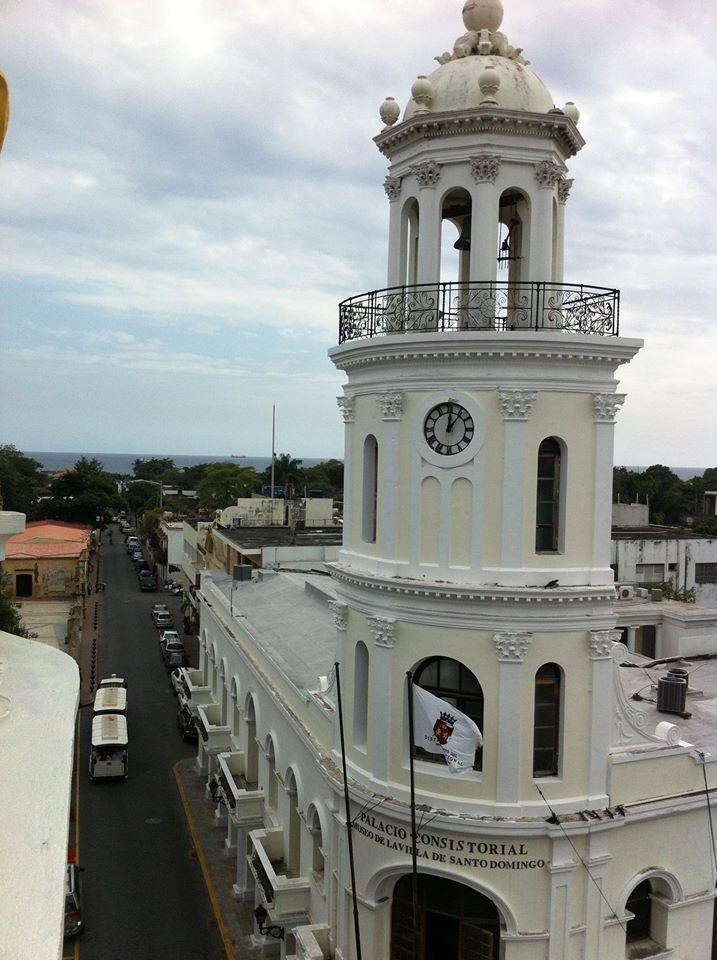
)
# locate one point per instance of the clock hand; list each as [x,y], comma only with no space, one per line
[450,422]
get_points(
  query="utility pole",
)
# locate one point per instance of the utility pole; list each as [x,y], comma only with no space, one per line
[273,447]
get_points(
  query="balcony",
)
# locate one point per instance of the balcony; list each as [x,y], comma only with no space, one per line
[215,735]
[285,896]
[482,305]
[312,942]
[243,800]
[194,689]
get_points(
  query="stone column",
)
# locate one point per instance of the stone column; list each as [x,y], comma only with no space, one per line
[340,611]
[346,406]
[561,869]
[631,636]
[427,175]
[396,247]
[484,221]
[391,405]
[605,410]
[547,174]
[517,405]
[601,712]
[510,649]
[383,630]
[597,862]
[243,888]
[564,186]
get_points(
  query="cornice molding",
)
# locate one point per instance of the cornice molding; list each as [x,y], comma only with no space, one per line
[484,119]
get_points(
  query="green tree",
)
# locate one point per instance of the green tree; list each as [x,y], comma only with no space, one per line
[10,619]
[224,483]
[83,494]
[22,480]
[325,479]
[158,468]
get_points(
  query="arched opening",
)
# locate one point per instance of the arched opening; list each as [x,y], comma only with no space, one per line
[272,785]
[408,269]
[236,708]
[647,910]
[546,724]
[360,695]
[456,684]
[455,922]
[456,243]
[549,494]
[293,845]
[318,862]
[513,227]
[370,489]
[251,748]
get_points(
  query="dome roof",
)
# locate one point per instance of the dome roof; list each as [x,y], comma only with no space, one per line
[457,86]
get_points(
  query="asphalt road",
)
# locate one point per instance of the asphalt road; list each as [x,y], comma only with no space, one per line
[144,896]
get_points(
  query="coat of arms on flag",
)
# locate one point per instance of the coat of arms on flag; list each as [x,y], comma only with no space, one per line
[440,728]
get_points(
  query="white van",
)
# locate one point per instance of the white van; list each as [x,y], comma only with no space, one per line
[109,756]
[111,700]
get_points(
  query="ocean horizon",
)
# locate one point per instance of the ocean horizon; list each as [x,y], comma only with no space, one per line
[121,463]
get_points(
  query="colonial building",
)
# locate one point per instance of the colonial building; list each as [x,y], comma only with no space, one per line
[48,560]
[479,412]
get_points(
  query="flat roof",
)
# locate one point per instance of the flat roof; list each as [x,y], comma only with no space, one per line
[656,533]
[109,729]
[252,538]
[288,616]
[111,699]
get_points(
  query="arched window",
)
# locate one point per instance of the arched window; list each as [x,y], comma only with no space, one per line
[370,488]
[360,695]
[639,904]
[454,683]
[317,848]
[547,509]
[546,726]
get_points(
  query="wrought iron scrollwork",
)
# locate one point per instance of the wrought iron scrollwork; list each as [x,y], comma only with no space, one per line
[426,308]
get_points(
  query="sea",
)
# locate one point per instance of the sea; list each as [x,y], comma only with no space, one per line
[121,463]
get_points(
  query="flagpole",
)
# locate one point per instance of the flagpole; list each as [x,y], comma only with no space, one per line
[347,803]
[414,854]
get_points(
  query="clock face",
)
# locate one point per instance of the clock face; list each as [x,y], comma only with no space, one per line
[448,428]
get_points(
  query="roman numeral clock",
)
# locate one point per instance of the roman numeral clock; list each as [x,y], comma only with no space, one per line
[448,428]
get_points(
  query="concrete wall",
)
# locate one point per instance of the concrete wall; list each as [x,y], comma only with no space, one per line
[630,515]
[53,578]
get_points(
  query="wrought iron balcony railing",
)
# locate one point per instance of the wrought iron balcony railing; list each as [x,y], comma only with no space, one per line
[437,307]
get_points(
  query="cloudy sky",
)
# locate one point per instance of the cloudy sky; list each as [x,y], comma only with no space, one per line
[188,187]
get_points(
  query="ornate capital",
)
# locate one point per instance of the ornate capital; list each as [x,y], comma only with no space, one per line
[392,186]
[606,406]
[382,630]
[511,647]
[346,406]
[517,404]
[485,168]
[340,611]
[547,173]
[391,405]
[427,173]
[601,643]
[564,185]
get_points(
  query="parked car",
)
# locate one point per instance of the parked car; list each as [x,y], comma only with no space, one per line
[168,636]
[159,608]
[174,654]
[137,556]
[147,583]
[176,678]
[163,620]
[143,565]
[74,921]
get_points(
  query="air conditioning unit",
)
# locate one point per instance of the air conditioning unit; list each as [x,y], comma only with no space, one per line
[671,694]
[642,593]
[656,596]
[625,591]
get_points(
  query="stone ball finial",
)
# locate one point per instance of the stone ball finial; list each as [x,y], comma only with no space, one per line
[489,82]
[423,93]
[4,108]
[483,14]
[389,111]
[570,110]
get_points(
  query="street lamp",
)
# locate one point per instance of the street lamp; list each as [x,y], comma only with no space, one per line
[154,483]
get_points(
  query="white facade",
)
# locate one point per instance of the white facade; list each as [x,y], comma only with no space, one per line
[685,562]
[479,560]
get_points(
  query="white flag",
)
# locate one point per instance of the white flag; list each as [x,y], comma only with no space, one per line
[439,728]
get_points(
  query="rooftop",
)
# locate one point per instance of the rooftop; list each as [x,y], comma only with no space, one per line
[257,537]
[49,538]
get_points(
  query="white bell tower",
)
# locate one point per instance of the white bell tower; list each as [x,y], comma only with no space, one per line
[479,409]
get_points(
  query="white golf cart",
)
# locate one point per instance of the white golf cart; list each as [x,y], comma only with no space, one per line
[109,757]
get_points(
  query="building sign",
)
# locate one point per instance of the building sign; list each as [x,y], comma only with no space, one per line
[442,848]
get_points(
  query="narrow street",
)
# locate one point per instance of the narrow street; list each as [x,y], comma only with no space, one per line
[144,896]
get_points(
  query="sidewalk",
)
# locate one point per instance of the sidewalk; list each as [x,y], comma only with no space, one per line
[235,918]
[89,637]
